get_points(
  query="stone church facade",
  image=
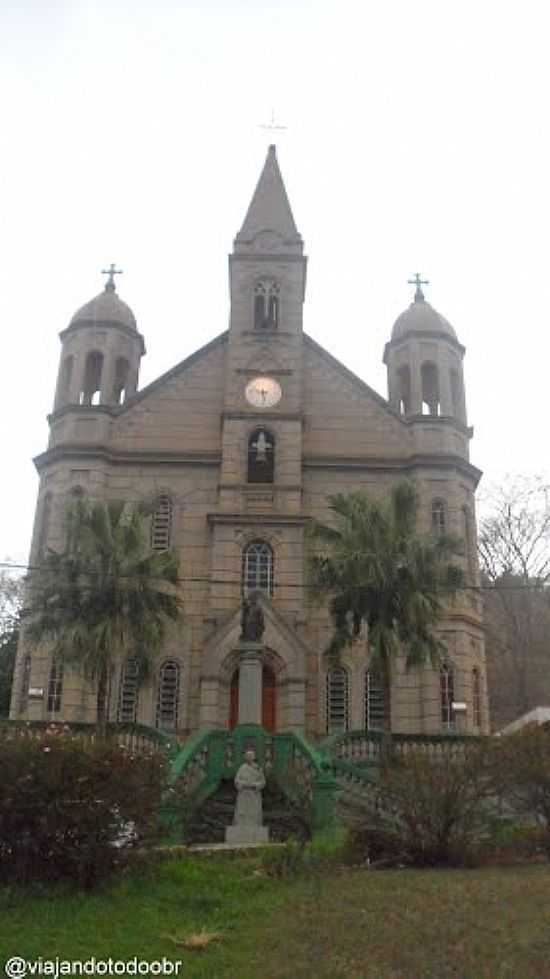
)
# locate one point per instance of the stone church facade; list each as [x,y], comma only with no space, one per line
[236,448]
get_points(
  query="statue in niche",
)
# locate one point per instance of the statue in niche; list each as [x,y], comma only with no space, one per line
[249,782]
[252,621]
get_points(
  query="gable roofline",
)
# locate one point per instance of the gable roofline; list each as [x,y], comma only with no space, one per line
[173,372]
[364,387]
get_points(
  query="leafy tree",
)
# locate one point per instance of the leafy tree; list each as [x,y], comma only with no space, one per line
[105,596]
[376,569]
[514,548]
[10,609]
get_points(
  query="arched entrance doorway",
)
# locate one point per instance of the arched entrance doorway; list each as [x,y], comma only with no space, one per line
[269,699]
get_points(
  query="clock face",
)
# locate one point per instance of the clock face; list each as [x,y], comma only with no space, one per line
[263,392]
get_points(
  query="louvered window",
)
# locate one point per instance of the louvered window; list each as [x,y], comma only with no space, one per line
[375,702]
[337,700]
[128,692]
[168,696]
[161,524]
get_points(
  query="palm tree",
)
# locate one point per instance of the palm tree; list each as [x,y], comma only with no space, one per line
[375,569]
[106,596]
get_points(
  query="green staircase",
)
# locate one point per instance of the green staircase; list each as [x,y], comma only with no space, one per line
[202,769]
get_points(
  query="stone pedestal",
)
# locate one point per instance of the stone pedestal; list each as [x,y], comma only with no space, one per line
[246,834]
[250,682]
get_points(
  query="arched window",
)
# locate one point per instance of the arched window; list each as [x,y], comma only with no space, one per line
[337,700]
[404,389]
[257,568]
[55,687]
[261,457]
[66,378]
[45,518]
[91,388]
[161,524]
[259,305]
[430,390]
[168,696]
[266,305]
[122,368]
[476,697]
[128,692]
[375,702]
[447,696]
[439,518]
[273,307]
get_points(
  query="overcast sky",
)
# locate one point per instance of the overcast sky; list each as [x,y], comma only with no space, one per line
[417,140]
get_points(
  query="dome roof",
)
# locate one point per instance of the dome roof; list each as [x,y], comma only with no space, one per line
[420,317]
[105,308]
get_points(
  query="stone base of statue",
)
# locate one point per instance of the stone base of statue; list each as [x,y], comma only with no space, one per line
[246,834]
[250,682]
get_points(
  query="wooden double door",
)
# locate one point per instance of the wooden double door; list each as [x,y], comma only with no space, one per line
[269,699]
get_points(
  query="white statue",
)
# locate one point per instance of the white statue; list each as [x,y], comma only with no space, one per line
[249,782]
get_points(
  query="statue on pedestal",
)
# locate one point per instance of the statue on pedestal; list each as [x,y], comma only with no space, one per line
[252,621]
[249,782]
[247,822]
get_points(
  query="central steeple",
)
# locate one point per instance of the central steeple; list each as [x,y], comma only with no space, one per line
[269,224]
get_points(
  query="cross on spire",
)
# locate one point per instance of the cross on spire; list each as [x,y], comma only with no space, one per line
[418,282]
[272,125]
[111,272]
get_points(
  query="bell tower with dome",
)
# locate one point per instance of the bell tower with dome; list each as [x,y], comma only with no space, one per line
[425,375]
[101,352]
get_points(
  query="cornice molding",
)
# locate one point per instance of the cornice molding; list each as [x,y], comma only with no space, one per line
[258,519]
[137,457]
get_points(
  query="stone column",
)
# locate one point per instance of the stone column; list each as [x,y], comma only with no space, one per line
[250,682]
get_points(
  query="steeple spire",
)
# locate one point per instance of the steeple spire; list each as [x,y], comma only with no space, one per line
[269,209]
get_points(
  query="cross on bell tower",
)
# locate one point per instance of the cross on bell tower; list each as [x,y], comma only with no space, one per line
[418,282]
[111,272]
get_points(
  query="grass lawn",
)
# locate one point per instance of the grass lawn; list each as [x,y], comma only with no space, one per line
[353,923]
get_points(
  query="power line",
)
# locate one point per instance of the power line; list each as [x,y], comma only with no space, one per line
[234,580]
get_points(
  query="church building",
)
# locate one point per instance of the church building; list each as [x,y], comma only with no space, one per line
[236,448]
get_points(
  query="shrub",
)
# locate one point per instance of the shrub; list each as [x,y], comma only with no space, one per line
[73,809]
[426,811]
[524,778]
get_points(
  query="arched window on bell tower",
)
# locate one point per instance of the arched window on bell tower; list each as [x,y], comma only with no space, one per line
[404,389]
[66,378]
[430,389]
[91,385]
[266,305]
[122,368]
[261,457]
